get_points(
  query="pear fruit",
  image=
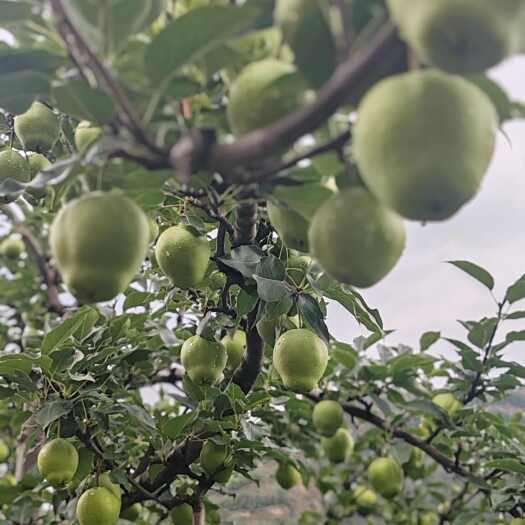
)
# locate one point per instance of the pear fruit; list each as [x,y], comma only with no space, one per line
[290,225]
[86,134]
[355,239]
[13,166]
[37,128]
[37,163]
[423,142]
[213,457]
[98,506]
[99,242]
[57,461]
[262,94]
[132,513]
[297,267]
[235,345]
[4,451]
[300,358]
[338,447]
[204,360]
[366,499]
[287,476]
[448,402]
[12,247]
[223,475]
[459,36]
[386,476]
[217,280]
[183,255]
[327,417]
[306,28]
[182,514]
[428,518]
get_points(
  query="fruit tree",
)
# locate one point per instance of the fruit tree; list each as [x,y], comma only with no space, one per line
[185,185]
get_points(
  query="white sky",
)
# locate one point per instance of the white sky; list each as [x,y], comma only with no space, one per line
[422,293]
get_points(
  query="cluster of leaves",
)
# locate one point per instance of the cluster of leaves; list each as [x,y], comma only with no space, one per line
[86,373]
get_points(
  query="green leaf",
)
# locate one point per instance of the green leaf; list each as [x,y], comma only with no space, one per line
[18,90]
[428,339]
[78,99]
[141,416]
[475,271]
[496,93]
[516,292]
[62,332]
[405,362]
[244,259]
[344,354]
[519,314]
[173,428]
[425,406]
[507,465]
[515,336]
[14,11]
[270,290]
[11,364]
[12,60]
[271,267]
[191,36]
[51,411]
[312,315]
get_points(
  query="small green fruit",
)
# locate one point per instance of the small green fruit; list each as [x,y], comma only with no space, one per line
[37,163]
[99,242]
[366,499]
[235,347]
[428,518]
[37,128]
[4,451]
[327,417]
[212,457]
[183,255]
[203,360]
[297,267]
[355,239]
[12,247]
[8,481]
[300,358]
[287,476]
[86,134]
[290,225]
[448,402]
[13,166]
[445,122]
[261,95]
[98,506]
[338,447]
[217,280]
[460,36]
[182,514]
[224,475]
[132,513]
[58,461]
[386,476]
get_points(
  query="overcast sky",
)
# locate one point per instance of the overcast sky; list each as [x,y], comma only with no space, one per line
[422,293]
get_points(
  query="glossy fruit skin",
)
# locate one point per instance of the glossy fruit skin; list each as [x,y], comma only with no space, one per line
[386,476]
[37,128]
[306,28]
[327,417]
[204,360]
[132,513]
[182,514]
[355,239]
[366,499]
[448,401]
[459,36]
[13,166]
[212,457]
[338,447]
[287,476]
[257,99]
[183,255]
[4,451]
[99,242]
[58,461]
[86,134]
[223,475]
[235,346]
[290,225]
[98,506]
[300,358]
[423,142]
[12,247]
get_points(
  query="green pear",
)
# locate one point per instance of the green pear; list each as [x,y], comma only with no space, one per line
[12,247]
[204,360]
[355,239]
[290,225]
[263,93]
[423,142]
[300,358]
[366,499]
[213,457]
[183,255]
[327,417]
[98,506]
[37,128]
[448,402]
[386,476]
[57,461]
[460,36]
[339,446]
[4,451]
[235,345]
[307,29]
[13,166]
[86,134]
[99,242]
[287,476]
[182,514]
